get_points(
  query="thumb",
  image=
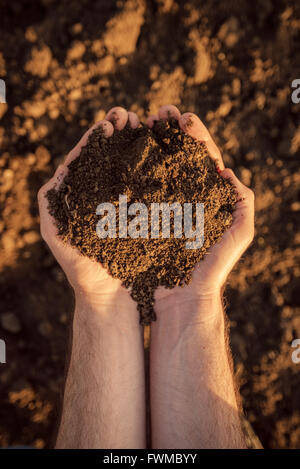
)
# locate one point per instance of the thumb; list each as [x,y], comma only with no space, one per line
[243,215]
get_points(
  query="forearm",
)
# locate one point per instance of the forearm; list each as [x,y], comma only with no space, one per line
[193,399]
[104,401]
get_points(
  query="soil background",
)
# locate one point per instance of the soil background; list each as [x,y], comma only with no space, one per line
[65,63]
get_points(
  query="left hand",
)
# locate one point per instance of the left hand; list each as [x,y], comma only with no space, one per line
[90,281]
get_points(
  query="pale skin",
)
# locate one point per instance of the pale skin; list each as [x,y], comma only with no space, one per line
[192,395]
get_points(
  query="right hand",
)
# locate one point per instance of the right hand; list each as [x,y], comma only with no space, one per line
[210,273]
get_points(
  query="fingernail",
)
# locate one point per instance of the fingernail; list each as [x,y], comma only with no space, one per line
[167,111]
[107,127]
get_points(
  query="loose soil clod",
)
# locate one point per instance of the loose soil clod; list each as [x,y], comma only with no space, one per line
[161,164]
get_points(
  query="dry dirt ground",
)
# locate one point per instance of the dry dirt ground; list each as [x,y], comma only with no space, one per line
[65,63]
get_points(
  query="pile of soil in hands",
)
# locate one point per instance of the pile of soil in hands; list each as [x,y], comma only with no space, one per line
[161,164]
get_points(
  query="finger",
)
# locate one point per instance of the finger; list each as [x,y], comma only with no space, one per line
[167,111]
[215,154]
[118,116]
[241,189]
[133,120]
[53,183]
[48,225]
[243,215]
[60,174]
[192,125]
[47,222]
[151,119]
[108,130]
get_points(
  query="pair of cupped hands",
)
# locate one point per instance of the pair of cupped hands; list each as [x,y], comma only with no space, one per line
[91,282]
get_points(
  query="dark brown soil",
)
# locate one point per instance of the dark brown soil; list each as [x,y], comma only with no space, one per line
[149,166]
[65,64]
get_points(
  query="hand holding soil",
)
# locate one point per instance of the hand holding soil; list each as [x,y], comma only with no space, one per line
[133,261]
[88,278]
[210,273]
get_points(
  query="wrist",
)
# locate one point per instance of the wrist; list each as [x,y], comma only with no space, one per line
[186,307]
[189,320]
[105,310]
[196,335]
